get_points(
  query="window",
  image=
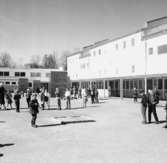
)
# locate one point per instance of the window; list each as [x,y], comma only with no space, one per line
[160,84]
[13,83]
[116,47]
[133,42]
[94,53]
[7,83]
[6,73]
[162,49]
[16,73]
[35,74]
[133,68]
[150,51]
[99,51]
[22,74]
[30,84]
[47,74]
[124,44]
[1,73]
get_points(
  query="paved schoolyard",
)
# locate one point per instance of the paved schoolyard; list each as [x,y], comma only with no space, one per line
[115,135]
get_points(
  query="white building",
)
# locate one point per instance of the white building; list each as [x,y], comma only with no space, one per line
[124,63]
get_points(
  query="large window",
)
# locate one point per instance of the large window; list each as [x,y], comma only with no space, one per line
[1,73]
[35,74]
[162,49]
[6,73]
[20,74]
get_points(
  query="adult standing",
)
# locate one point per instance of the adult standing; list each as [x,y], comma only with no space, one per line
[144,101]
[152,101]
[28,97]
[2,96]
[84,97]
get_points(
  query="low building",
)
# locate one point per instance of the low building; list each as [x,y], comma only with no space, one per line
[33,78]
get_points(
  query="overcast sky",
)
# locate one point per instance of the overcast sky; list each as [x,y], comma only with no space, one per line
[36,27]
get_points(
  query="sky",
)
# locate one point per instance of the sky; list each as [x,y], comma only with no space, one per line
[36,27]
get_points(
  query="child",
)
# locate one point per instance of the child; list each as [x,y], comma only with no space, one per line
[84,97]
[9,99]
[17,98]
[58,98]
[34,105]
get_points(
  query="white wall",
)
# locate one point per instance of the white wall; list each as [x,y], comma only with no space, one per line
[111,62]
[157,64]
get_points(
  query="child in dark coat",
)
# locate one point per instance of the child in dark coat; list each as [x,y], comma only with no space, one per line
[9,99]
[34,105]
[17,98]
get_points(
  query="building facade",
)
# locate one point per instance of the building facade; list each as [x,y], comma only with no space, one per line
[33,78]
[117,66]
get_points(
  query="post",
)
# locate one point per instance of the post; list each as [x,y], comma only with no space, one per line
[121,88]
[145,78]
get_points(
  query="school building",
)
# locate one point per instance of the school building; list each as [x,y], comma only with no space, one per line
[117,66]
[33,78]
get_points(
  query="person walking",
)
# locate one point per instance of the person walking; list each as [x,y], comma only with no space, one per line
[68,98]
[58,98]
[144,101]
[17,98]
[152,101]
[34,105]
[2,96]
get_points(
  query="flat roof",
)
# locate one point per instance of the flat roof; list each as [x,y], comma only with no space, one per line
[106,41]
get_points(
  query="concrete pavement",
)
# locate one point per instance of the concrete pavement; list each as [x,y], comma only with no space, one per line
[115,135]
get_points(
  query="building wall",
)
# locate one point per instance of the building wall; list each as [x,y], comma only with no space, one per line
[117,58]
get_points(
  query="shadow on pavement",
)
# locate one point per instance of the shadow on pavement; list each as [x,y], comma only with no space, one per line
[5,145]
[163,121]
[67,122]
[1,154]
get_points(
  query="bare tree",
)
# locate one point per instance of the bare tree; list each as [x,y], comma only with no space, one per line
[49,61]
[6,60]
[35,62]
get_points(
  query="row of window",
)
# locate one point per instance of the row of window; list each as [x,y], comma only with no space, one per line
[117,46]
[8,83]
[22,74]
[160,49]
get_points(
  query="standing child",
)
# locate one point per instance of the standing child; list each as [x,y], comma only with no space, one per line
[9,99]
[58,98]
[17,98]
[34,105]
